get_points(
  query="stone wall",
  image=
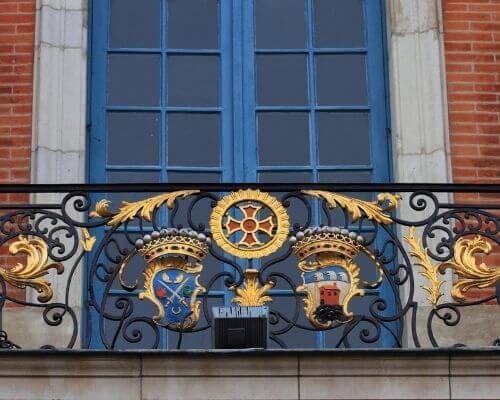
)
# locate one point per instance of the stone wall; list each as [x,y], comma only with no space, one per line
[454,374]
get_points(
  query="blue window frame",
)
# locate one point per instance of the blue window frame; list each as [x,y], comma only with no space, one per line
[214,90]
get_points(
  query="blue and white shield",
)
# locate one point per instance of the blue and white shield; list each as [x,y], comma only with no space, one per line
[176,290]
[328,285]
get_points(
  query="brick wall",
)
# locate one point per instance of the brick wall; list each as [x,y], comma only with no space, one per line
[472,52]
[472,45]
[17,26]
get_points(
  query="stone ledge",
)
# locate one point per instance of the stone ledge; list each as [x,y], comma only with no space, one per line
[251,374]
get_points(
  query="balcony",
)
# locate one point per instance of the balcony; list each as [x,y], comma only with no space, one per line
[144,266]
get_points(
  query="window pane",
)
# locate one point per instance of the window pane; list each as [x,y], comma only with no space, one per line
[131,177]
[280,24]
[134,79]
[194,139]
[343,138]
[133,138]
[194,177]
[282,80]
[124,29]
[348,177]
[285,177]
[338,23]
[283,138]
[193,80]
[193,24]
[341,79]
[344,177]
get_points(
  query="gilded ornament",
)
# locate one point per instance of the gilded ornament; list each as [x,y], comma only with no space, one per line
[87,240]
[429,271]
[171,277]
[143,208]
[252,294]
[260,229]
[330,274]
[373,210]
[470,273]
[101,209]
[36,267]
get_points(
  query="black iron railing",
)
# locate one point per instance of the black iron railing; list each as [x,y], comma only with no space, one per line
[338,265]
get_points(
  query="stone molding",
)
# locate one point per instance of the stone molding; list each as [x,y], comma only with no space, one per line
[251,375]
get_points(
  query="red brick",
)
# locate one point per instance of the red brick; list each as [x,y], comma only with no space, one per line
[467,16]
[17,26]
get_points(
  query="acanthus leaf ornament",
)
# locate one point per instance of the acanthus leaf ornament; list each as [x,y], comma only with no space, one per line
[470,273]
[260,229]
[31,272]
[464,265]
[429,271]
[87,241]
[143,208]
[252,294]
[373,210]
[102,209]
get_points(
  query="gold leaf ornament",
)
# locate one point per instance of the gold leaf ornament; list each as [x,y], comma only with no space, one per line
[373,210]
[143,208]
[470,273]
[102,209]
[252,294]
[87,240]
[429,271]
[36,267]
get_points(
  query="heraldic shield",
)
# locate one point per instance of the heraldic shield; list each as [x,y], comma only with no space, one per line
[330,274]
[173,260]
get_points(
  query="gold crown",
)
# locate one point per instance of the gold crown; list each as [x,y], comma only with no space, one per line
[313,241]
[167,242]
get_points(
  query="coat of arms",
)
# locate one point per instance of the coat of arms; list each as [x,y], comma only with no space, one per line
[330,273]
[171,277]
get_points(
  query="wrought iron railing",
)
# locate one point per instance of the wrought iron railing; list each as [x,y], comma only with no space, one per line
[338,265]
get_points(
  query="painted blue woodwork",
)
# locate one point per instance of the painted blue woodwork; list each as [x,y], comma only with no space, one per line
[237,109]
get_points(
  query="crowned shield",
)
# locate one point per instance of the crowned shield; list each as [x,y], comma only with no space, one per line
[173,260]
[330,274]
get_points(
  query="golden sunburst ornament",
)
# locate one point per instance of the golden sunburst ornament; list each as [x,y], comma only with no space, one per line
[249,224]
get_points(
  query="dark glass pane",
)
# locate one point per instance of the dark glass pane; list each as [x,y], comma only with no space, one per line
[341,79]
[343,138]
[194,139]
[135,23]
[285,177]
[194,177]
[133,138]
[134,79]
[131,177]
[348,177]
[193,80]
[283,138]
[338,23]
[280,24]
[193,24]
[345,176]
[282,80]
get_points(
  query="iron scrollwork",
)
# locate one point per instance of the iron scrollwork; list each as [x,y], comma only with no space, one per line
[322,261]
